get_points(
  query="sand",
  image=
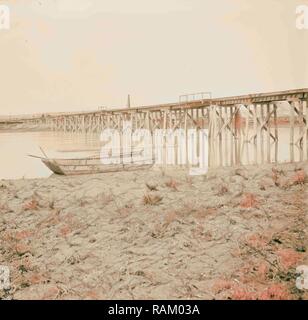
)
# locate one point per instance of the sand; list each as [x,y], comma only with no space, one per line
[233,234]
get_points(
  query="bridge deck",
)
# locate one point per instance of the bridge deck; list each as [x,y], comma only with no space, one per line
[301,94]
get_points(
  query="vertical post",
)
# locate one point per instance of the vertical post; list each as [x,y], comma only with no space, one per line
[255,129]
[237,130]
[306,126]
[246,135]
[220,136]
[165,143]
[262,132]
[225,133]
[268,117]
[301,129]
[120,127]
[197,135]
[186,138]
[128,101]
[276,132]
[291,131]
[232,136]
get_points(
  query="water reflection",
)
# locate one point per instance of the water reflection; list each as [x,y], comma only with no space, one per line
[15,146]
[240,151]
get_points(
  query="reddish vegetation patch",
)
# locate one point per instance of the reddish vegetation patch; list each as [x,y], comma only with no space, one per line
[36,278]
[249,201]
[222,285]
[172,184]
[24,234]
[199,232]
[299,177]
[263,270]
[31,205]
[51,293]
[92,295]
[22,264]
[202,213]
[22,248]
[243,294]
[64,231]
[256,241]
[288,258]
[275,292]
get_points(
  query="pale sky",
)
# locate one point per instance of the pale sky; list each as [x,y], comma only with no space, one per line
[65,55]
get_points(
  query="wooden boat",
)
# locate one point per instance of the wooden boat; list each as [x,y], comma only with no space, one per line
[90,165]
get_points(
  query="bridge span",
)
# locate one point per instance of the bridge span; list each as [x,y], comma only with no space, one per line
[183,113]
[232,123]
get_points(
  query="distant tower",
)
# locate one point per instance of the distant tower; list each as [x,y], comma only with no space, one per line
[128,101]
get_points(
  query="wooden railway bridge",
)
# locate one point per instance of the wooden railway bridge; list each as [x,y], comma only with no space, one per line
[231,122]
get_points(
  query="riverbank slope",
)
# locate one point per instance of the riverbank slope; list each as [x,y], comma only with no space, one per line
[234,234]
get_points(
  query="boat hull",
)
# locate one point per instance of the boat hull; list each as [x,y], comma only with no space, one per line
[79,167]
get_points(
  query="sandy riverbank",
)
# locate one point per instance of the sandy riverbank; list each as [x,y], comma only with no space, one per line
[236,233]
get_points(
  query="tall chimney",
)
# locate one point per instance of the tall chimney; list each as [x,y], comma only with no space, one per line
[128,101]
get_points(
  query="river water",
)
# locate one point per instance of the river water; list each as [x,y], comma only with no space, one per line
[15,147]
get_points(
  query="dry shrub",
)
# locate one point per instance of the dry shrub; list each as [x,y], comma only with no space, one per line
[279,178]
[263,269]
[106,199]
[52,219]
[51,204]
[4,206]
[22,248]
[221,285]
[288,258]
[152,199]
[125,210]
[249,201]
[199,212]
[8,236]
[189,180]
[83,203]
[203,212]
[242,173]
[23,264]
[152,187]
[242,293]
[172,184]
[222,189]
[254,271]
[200,233]
[64,231]
[31,205]
[170,217]
[51,293]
